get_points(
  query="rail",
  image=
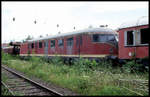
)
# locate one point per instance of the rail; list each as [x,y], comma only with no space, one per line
[31,81]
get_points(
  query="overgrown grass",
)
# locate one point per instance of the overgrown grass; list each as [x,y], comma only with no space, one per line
[84,76]
[4,90]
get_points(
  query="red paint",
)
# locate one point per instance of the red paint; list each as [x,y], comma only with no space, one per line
[87,47]
[141,51]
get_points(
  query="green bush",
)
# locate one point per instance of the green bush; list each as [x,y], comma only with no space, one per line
[131,67]
[57,60]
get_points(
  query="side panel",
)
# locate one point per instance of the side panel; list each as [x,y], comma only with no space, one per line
[126,52]
[24,48]
[46,47]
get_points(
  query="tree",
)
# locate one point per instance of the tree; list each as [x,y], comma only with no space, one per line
[29,37]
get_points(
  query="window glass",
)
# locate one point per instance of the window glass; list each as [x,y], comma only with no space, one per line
[45,44]
[96,38]
[32,45]
[52,43]
[111,37]
[70,41]
[60,42]
[129,39]
[103,38]
[40,44]
[144,36]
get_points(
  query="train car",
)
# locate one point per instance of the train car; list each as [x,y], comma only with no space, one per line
[90,42]
[133,39]
[14,48]
[8,49]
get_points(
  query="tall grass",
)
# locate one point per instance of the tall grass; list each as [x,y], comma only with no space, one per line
[86,77]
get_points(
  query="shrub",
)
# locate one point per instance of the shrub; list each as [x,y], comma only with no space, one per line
[57,60]
[131,67]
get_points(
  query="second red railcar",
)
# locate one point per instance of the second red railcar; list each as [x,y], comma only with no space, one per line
[90,42]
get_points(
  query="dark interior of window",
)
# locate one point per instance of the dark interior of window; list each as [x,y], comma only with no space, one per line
[70,41]
[144,36]
[40,44]
[95,37]
[60,42]
[32,45]
[52,43]
[129,37]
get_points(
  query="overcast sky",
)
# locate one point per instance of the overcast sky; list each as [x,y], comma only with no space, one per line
[66,14]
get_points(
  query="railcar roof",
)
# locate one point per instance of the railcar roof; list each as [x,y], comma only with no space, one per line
[138,22]
[103,30]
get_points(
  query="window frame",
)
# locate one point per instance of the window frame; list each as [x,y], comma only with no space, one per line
[32,45]
[52,46]
[136,36]
[93,40]
[140,37]
[101,35]
[40,44]
[45,44]
[62,43]
[125,38]
[70,42]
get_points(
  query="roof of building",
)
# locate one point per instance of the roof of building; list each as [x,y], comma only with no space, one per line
[138,22]
[103,30]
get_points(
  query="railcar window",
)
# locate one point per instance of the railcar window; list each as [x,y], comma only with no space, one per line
[96,38]
[129,38]
[60,42]
[32,45]
[144,36]
[70,41]
[52,43]
[40,44]
[111,37]
[45,44]
[103,37]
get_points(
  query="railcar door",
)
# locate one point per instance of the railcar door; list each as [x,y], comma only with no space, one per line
[29,48]
[46,47]
[36,47]
[79,43]
[70,46]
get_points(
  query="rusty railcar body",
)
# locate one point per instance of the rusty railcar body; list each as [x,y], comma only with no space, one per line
[12,48]
[90,42]
[8,50]
[133,39]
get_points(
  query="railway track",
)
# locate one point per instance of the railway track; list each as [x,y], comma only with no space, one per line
[19,84]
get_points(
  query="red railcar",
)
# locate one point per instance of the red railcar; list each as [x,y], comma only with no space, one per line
[133,39]
[8,49]
[14,48]
[90,42]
